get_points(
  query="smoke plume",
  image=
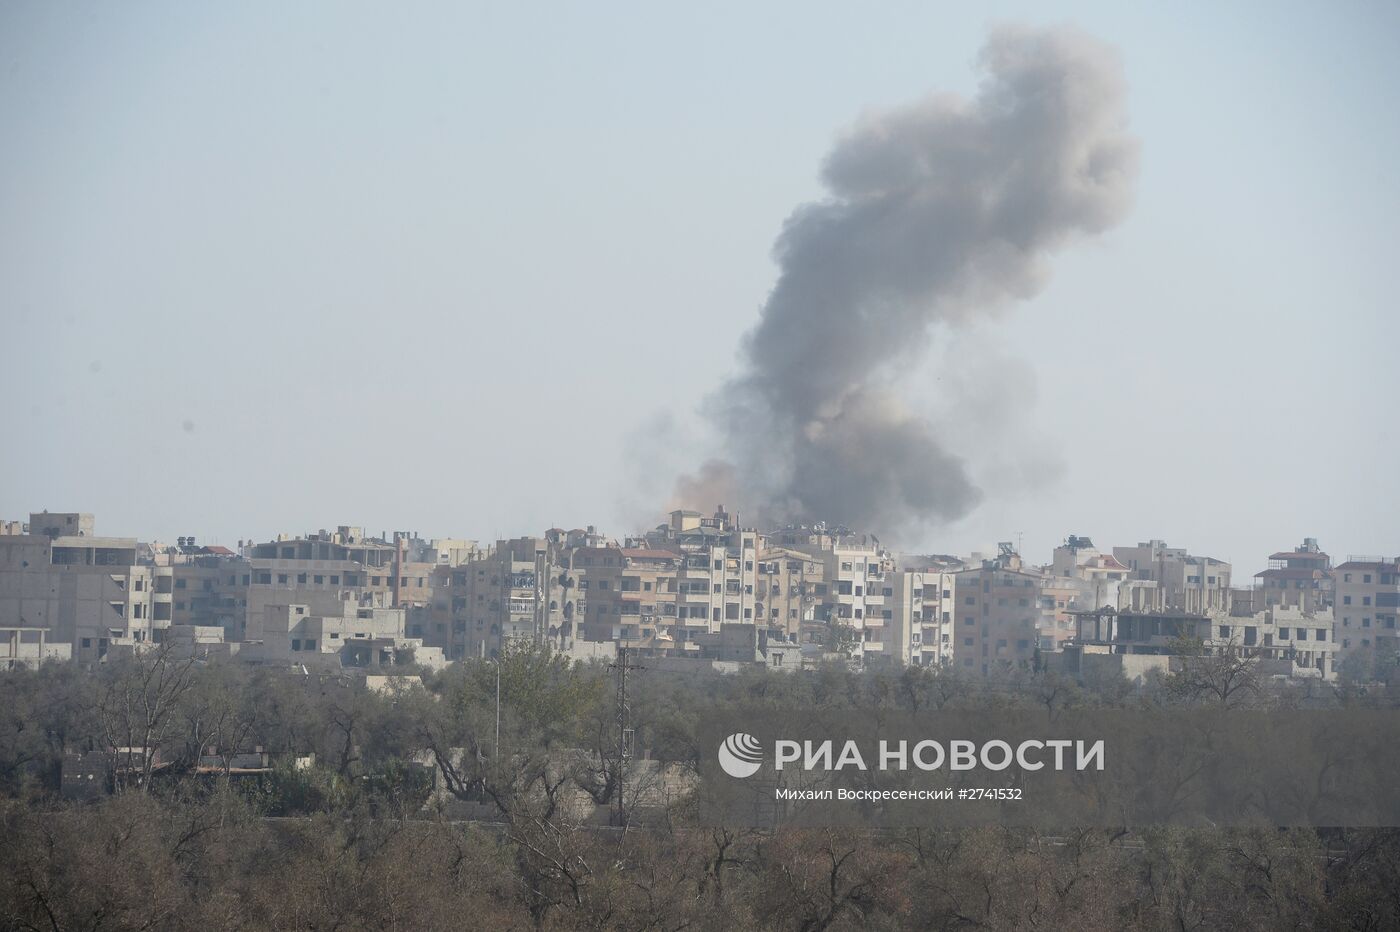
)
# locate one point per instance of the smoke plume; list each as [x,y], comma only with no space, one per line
[937,212]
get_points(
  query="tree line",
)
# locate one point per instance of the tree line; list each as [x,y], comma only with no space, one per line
[359,838]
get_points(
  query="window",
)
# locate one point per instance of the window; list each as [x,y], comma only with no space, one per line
[311,644]
[318,579]
[296,643]
[1283,634]
[281,579]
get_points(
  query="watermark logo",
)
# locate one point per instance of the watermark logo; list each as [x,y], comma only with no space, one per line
[740,755]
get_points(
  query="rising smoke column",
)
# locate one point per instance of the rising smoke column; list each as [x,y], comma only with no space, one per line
[943,210]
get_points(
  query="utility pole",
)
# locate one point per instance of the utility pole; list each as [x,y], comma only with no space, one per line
[621,668]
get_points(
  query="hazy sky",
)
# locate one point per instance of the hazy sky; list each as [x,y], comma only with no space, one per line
[469,270]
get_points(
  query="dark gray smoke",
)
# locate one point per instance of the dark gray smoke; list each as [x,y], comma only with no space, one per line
[938,211]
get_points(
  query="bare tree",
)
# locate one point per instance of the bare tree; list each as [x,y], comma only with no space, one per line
[1224,674]
[137,711]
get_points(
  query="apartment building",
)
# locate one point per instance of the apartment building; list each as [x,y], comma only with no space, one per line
[1106,582]
[790,584]
[716,573]
[902,634]
[936,624]
[333,637]
[996,620]
[1299,577]
[1286,640]
[1188,583]
[629,596]
[853,594]
[345,564]
[1367,597]
[88,591]
[525,588]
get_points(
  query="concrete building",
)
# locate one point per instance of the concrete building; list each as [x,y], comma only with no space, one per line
[786,589]
[87,591]
[331,638]
[1103,580]
[29,648]
[1285,640]
[520,589]
[344,564]
[1367,597]
[629,596]
[750,645]
[1188,583]
[918,611]
[1299,577]
[997,616]
[716,574]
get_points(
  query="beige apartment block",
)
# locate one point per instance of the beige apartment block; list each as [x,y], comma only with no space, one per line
[345,564]
[787,590]
[1105,580]
[907,619]
[1287,641]
[856,574]
[1367,599]
[997,619]
[1188,583]
[84,590]
[716,575]
[1299,577]
[629,596]
[322,639]
[520,589]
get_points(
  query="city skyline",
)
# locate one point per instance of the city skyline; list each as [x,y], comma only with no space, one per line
[252,282]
